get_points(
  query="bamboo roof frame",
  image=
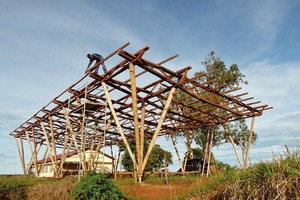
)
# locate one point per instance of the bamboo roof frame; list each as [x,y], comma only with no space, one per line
[117,107]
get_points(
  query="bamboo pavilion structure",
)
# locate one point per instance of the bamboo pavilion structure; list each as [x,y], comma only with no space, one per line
[136,99]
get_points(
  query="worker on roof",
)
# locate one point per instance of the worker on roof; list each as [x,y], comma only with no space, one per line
[98,58]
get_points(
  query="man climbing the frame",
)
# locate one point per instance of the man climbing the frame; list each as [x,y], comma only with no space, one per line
[98,58]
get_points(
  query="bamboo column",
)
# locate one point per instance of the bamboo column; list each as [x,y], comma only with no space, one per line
[161,120]
[31,151]
[113,112]
[177,153]
[68,123]
[136,122]
[83,135]
[63,155]
[35,151]
[33,159]
[249,142]
[211,135]
[49,148]
[21,154]
[142,129]
[41,166]
[53,148]
[233,145]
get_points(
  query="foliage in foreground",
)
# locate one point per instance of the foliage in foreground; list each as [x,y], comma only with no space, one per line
[279,179]
[96,186]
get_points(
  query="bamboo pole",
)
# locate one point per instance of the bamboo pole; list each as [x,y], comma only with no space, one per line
[83,137]
[68,123]
[142,129]
[60,171]
[34,159]
[177,153]
[22,151]
[113,112]
[31,151]
[53,147]
[49,148]
[189,152]
[113,161]
[209,152]
[101,140]
[136,122]
[35,152]
[43,163]
[21,156]
[161,120]
[249,142]
[118,159]
[205,154]
[233,145]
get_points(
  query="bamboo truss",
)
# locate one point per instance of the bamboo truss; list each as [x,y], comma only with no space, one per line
[136,99]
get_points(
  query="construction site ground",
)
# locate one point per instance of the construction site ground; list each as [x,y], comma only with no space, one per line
[152,188]
[153,191]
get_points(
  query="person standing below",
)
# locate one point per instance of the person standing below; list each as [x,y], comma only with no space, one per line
[98,58]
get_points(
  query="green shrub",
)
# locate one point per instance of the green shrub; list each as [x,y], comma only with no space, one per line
[96,186]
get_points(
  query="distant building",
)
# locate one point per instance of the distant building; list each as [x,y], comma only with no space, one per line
[98,161]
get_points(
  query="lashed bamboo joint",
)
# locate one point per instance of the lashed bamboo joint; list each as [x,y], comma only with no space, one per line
[134,100]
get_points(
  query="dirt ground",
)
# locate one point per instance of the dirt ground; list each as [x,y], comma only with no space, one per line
[141,191]
[147,191]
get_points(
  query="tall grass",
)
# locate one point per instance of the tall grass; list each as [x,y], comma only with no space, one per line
[12,188]
[30,187]
[278,179]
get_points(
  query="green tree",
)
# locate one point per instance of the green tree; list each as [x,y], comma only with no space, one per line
[156,158]
[216,75]
[216,70]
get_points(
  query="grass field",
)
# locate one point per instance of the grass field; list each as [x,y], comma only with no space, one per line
[277,179]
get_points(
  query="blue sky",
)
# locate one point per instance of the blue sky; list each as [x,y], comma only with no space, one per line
[44,46]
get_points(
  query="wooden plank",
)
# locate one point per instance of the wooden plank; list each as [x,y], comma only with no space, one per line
[89,107]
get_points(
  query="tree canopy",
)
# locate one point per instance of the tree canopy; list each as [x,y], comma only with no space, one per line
[155,160]
[217,75]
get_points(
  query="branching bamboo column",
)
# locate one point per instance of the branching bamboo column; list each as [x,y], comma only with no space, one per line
[161,120]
